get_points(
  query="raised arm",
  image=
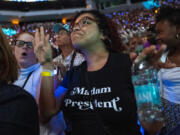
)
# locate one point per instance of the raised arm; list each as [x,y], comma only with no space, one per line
[49,105]
[154,57]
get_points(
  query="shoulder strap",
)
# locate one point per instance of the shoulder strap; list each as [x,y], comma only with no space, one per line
[27,80]
[72,59]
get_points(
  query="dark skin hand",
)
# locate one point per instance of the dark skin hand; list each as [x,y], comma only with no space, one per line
[152,128]
[153,56]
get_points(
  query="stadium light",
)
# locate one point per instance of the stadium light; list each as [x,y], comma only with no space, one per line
[15,21]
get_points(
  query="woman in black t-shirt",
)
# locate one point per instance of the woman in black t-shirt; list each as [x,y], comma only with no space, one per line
[97,96]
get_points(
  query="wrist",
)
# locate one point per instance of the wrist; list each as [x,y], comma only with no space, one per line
[48,73]
[140,58]
[48,66]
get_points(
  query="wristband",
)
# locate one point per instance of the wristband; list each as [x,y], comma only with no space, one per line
[47,73]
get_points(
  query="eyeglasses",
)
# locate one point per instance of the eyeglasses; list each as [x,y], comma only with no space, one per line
[21,43]
[83,22]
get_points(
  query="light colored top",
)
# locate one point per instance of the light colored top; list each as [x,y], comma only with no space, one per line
[169,82]
[67,61]
[56,125]
[33,80]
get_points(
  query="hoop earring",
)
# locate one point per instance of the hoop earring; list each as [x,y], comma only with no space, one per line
[109,40]
[177,36]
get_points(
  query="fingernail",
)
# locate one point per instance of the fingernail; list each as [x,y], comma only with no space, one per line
[164,46]
[174,64]
[136,61]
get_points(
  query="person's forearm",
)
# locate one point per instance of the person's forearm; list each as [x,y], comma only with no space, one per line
[47,101]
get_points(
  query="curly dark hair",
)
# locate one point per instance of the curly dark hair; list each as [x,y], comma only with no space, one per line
[107,27]
[171,14]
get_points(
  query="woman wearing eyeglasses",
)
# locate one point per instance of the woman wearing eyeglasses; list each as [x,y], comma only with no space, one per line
[29,78]
[24,51]
[96,96]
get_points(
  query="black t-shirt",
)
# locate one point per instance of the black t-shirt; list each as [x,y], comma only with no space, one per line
[101,101]
[18,112]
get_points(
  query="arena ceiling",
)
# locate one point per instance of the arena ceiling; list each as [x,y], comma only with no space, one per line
[45,5]
[39,11]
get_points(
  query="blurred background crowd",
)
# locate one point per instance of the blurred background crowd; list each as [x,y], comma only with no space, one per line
[135,23]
